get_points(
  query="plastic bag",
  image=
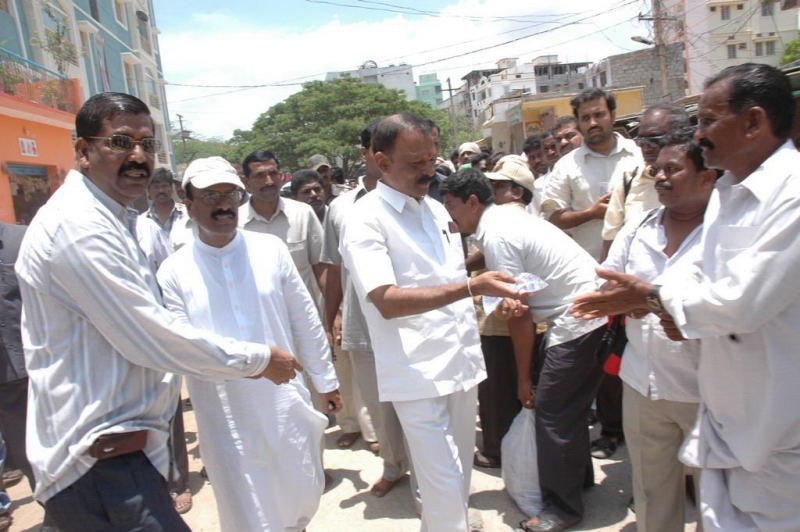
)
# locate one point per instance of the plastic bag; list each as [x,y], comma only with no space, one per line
[520,469]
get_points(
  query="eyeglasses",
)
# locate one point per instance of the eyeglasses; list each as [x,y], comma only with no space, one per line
[655,141]
[212,197]
[122,143]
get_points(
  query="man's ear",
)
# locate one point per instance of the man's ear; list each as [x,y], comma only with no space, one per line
[756,121]
[516,192]
[383,162]
[82,153]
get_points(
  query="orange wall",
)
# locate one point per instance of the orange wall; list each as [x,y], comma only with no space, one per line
[54,145]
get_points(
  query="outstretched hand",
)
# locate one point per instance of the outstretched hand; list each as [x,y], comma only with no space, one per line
[621,294]
[496,284]
[282,366]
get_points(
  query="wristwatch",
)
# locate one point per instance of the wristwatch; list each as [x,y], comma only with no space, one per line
[654,300]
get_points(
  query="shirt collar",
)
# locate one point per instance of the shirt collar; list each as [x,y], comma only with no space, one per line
[250,212]
[622,145]
[763,181]
[395,198]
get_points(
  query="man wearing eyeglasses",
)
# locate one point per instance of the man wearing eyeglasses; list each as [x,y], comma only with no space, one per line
[261,441]
[637,195]
[100,348]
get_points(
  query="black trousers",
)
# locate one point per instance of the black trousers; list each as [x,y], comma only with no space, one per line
[13,413]
[568,380]
[609,405]
[497,395]
[121,493]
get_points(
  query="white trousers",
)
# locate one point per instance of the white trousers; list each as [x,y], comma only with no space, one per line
[440,432]
[736,500]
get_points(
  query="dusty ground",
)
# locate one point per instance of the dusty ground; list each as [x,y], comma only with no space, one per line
[350,506]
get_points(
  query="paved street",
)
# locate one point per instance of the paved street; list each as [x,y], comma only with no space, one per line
[350,506]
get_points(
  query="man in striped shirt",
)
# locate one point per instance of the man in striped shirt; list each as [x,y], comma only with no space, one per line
[100,348]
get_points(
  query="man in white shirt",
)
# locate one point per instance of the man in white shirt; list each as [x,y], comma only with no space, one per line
[742,302]
[660,394]
[261,441]
[568,136]
[100,348]
[577,190]
[352,334]
[514,242]
[407,264]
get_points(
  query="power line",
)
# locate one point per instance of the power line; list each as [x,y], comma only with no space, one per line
[297,81]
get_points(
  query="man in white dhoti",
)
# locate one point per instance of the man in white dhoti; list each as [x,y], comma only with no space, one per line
[261,441]
[742,302]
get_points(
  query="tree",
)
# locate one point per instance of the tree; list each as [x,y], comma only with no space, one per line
[791,52]
[195,148]
[326,117]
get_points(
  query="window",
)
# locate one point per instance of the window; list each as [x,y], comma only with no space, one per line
[725,12]
[759,49]
[4,6]
[731,51]
[131,82]
[770,47]
[559,70]
[544,88]
[767,9]
[120,14]
[517,76]
[144,31]
[93,10]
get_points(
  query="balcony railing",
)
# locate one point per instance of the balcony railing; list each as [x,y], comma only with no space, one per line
[30,81]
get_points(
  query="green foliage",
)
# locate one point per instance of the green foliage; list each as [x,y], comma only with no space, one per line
[194,148]
[326,117]
[791,52]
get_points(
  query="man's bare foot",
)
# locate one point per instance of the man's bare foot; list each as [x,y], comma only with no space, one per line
[383,486]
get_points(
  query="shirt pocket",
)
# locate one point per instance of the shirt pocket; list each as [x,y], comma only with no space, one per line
[299,251]
[734,245]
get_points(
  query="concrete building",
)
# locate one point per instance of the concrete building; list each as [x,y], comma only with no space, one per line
[643,68]
[429,90]
[400,77]
[54,55]
[720,33]
[553,76]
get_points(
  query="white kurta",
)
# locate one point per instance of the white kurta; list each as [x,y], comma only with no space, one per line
[261,441]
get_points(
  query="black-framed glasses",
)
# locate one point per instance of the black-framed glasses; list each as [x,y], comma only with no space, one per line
[654,141]
[212,197]
[119,142]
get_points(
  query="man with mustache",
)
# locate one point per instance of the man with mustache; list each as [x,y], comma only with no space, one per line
[577,191]
[100,348]
[307,187]
[261,440]
[406,260]
[742,301]
[292,221]
[155,224]
[660,393]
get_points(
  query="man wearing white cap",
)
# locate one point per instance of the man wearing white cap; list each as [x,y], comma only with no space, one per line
[261,440]
[514,243]
[466,151]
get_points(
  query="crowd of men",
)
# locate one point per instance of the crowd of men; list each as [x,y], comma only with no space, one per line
[284,308]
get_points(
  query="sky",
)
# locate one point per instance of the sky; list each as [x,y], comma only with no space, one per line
[210,49]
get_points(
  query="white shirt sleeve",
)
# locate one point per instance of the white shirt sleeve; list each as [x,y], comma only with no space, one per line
[99,281]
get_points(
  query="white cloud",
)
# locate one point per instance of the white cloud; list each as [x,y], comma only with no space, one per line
[222,49]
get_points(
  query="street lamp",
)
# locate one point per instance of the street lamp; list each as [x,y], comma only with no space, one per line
[643,40]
